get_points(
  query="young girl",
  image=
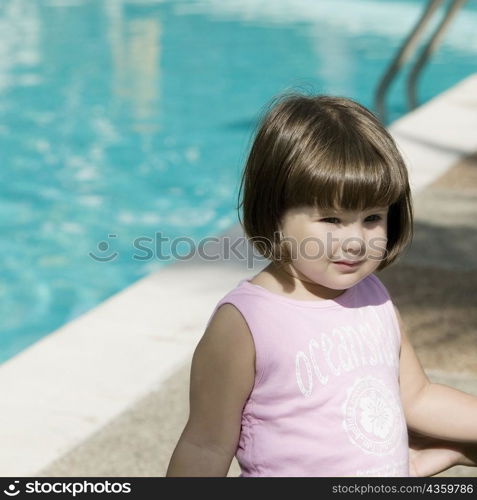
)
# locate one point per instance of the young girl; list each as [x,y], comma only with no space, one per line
[306,369]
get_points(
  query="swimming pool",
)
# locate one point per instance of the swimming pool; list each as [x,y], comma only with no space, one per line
[120,120]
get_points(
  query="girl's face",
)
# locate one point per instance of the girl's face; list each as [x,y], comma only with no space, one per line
[318,239]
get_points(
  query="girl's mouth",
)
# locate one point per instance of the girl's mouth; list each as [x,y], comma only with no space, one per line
[348,264]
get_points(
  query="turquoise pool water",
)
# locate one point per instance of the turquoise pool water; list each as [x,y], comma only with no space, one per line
[123,119]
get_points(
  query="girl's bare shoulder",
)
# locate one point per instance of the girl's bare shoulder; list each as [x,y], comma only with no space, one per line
[221,379]
[228,322]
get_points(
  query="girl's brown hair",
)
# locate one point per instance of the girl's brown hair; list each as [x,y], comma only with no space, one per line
[325,152]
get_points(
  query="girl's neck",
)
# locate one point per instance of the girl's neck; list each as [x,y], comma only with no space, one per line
[287,280]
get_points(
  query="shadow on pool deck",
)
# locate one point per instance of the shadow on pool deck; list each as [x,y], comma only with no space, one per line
[433,285]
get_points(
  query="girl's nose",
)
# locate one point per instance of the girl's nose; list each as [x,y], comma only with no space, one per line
[354,244]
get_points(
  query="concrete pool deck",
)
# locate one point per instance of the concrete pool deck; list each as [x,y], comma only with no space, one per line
[107,394]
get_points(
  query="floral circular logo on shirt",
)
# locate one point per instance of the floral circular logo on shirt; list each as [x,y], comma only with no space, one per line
[373,418]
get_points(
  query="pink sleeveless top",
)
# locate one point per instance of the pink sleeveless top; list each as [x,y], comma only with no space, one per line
[325,401]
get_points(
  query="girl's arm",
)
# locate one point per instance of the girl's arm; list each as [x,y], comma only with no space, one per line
[430,456]
[469,455]
[222,377]
[434,410]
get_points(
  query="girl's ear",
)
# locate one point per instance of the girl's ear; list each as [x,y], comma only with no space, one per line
[285,248]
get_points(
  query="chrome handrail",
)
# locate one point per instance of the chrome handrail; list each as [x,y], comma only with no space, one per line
[428,50]
[406,51]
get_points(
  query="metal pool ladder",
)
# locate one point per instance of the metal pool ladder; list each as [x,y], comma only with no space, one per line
[408,48]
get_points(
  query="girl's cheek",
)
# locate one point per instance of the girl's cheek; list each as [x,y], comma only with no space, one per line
[311,248]
[377,246]
[317,243]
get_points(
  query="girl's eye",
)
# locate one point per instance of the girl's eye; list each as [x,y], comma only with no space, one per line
[330,219]
[378,218]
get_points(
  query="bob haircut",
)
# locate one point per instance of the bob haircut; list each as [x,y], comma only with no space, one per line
[324,152]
